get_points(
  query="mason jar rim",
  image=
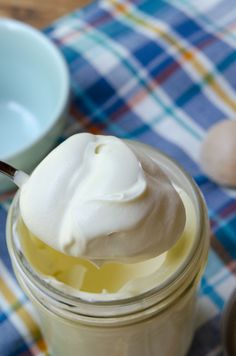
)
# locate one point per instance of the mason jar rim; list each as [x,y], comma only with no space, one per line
[166,291]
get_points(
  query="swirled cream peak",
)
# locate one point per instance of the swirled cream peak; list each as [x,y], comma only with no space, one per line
[95,197]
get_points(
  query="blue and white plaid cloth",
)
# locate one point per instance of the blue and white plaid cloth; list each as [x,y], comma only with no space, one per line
[162,72]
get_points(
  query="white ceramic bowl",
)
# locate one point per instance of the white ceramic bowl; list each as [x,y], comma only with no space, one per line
[34,95]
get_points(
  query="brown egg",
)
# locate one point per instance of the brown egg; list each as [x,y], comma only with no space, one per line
[218,153]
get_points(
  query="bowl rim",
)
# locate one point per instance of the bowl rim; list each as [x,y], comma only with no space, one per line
[60,63]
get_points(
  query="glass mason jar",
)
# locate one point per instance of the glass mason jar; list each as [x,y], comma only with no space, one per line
[159,321]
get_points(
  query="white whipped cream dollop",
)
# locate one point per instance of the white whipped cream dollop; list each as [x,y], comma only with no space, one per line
[98,198]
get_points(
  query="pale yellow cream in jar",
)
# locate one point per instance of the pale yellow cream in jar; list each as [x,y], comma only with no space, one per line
[111,280]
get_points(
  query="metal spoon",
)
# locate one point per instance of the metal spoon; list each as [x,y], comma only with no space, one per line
[17,176]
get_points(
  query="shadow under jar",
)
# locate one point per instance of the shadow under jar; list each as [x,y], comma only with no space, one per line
[158,321]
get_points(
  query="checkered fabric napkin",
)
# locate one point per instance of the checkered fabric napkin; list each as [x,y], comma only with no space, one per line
[161,72]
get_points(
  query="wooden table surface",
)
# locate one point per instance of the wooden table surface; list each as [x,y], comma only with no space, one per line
[38,13]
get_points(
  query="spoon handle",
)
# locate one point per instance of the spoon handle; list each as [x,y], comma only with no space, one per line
[8,170]
[17,176]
